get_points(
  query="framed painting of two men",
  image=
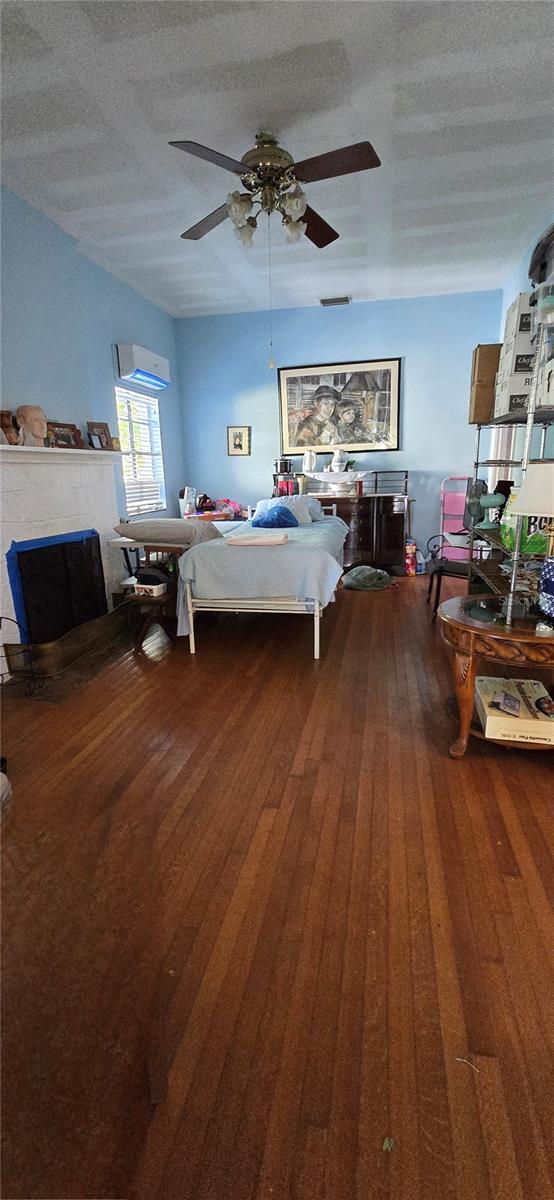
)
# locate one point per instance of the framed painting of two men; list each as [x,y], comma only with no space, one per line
[351,405]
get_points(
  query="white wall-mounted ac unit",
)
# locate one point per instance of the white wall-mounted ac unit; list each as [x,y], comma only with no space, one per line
[142,366]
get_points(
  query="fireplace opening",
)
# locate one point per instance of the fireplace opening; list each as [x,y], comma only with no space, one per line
[57,584]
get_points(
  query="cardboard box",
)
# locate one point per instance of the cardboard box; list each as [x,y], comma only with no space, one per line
[151,589]
[511,394]
[484,367]
[518,318]
[517,357]
[533,724]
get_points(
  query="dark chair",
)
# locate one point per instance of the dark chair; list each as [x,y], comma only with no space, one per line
[456,568]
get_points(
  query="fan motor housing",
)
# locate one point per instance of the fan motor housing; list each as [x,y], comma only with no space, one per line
[267,159]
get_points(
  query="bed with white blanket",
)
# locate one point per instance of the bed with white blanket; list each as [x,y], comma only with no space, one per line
[298,575]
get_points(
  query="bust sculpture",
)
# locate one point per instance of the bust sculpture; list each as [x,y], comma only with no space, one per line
[32,425]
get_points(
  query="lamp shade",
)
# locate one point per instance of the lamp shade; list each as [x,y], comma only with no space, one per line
[536,494]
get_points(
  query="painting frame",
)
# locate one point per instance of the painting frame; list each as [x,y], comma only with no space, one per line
[360,398]
[62,435]
[100,430]
[239,440]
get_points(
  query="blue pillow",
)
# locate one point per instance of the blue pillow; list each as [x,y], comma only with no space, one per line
[299,505]
[278,517]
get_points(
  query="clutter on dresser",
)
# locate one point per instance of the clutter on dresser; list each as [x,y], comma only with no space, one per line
[200,506]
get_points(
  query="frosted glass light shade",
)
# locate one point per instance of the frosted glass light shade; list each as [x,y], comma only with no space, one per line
[536,494]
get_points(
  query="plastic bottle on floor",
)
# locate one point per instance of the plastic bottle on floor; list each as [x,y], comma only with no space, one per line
[410,557]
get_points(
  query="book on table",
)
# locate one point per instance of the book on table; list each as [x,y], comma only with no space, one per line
[515,710]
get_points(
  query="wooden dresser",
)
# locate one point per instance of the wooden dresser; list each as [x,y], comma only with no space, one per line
[378,528]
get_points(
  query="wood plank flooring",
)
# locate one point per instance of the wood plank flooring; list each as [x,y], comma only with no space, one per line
[257,889]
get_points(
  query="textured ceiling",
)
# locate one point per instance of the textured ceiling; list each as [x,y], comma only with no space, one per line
[455,97]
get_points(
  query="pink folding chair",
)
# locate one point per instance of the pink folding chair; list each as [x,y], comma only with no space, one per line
[452,514]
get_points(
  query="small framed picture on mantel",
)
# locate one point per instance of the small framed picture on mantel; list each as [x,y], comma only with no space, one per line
[238,439]
[99,435]
[61,435]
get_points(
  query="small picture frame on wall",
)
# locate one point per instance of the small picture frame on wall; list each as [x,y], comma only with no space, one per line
[238,439]
[100,431]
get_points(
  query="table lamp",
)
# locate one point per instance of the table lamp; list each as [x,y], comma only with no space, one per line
[536,499]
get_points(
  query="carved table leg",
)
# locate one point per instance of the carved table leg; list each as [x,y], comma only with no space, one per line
[464,680]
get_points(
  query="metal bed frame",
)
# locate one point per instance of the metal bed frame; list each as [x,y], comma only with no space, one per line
[259,604]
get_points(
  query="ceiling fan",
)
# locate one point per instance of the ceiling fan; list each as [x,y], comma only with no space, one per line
[272,179]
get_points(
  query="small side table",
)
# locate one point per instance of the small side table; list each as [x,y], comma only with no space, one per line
[472,627]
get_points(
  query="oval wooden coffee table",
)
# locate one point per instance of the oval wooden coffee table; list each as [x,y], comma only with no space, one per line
[472,627]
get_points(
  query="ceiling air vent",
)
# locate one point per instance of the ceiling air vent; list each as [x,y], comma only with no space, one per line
[327,301]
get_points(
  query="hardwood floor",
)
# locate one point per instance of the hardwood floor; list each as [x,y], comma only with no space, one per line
[266,875]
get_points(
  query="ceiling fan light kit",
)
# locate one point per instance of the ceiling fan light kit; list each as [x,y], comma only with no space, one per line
[282,195]
[239,208]
[271,180]
[294,230]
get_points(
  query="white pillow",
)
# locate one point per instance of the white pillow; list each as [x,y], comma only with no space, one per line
[168,531]
[316,511]
[298,505]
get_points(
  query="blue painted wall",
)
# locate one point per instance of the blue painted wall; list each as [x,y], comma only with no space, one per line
[61,316]
[225,381]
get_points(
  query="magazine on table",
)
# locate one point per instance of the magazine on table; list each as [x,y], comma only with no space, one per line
[515,710]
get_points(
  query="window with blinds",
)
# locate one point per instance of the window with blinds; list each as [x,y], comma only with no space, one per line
[141,444]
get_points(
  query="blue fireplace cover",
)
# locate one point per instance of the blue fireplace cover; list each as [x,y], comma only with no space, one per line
[14,575]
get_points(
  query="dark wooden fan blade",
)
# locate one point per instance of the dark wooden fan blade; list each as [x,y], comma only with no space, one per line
[318,231]
[206,224]
[360,157]
[213,156]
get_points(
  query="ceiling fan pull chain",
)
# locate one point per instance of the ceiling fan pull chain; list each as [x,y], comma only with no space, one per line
[271,363]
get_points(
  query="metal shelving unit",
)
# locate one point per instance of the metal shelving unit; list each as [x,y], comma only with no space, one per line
[488,570]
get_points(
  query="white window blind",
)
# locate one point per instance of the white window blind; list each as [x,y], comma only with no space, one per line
[141,444]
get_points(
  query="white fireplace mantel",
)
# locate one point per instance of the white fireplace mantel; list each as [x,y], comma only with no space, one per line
[47,491]
[18,454]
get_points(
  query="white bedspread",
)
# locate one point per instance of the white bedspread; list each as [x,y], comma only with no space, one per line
[307,566]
